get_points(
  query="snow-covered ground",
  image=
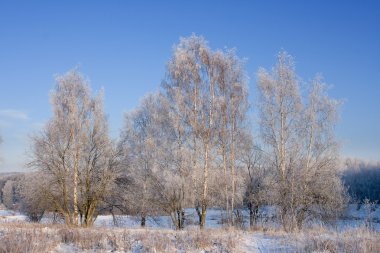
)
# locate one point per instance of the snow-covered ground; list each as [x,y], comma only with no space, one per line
[213,220]
[247,241]
[357,216]
[354,216]
[11,216]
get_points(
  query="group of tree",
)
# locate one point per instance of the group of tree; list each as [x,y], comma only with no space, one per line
[179,141]
[191,146]
[362,180]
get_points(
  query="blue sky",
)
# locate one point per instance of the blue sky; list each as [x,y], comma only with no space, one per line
[123,46]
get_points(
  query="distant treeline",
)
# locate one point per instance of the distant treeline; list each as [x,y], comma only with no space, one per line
[362,180]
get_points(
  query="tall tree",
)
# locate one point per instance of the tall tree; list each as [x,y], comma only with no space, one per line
[153,142]
[319,179]
[299,136]
[190,86]
[139,150]
[75,152]
[280,108]
[209,94]
[231,120]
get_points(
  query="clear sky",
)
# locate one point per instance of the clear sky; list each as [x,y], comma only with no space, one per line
[123,46]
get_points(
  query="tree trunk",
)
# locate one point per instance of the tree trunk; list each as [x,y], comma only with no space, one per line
[199,213]
[225,172]
[115,223]
[233,169]
[204,192]
[75,187]
[143,221]
[224,155]
[180,218]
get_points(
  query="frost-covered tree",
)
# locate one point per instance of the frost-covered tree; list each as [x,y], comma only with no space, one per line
[322,193]
[258,178]
[9,192]
[207,90]
[190,86]
[155,160]
[362,180]
[74,151]
[231,123]
[32,197]
[298,133]
[138,145]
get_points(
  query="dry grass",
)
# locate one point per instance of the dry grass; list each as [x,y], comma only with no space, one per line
[27,237]
[355,240]
[317,239]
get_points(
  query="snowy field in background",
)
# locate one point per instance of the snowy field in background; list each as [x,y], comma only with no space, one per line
[11,216]
[354,216]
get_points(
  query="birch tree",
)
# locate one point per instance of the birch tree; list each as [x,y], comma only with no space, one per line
[319,178]
[190,84]
[280,107]
[209,94]
[139,152]
[231,120]
[175,158]
[74,151]
[299,136]
[153,139]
